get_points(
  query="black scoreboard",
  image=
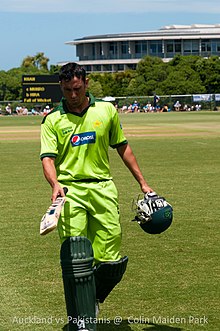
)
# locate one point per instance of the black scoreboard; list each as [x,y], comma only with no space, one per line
[41,89]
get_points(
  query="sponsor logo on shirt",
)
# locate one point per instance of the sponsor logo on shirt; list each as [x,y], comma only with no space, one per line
[83,138]
[67,130]
[97,123]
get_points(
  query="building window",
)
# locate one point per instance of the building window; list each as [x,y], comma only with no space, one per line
[177,46]
[119,67]
[170,47]
[215,46]
[155,48]
[93,50]
[113,50]
[107,67]
[124,47]
[191,47]
[131,66]
[140,48]
[174,47]
[206,46]
[187,47]
[88,68]
[195,47]
[97,67]
[125,50]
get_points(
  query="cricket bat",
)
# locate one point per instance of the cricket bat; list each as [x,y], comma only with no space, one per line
[50,219]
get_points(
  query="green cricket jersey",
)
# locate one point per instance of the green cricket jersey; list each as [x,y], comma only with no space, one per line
[80,142]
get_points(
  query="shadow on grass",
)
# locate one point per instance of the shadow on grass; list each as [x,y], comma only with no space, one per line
[159,327]
[126,326]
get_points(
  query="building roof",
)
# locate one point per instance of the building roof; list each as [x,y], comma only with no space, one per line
[171,31]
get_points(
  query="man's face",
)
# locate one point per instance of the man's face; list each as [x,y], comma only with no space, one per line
[74,91]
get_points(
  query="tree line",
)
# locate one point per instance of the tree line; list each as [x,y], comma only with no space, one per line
[182,75]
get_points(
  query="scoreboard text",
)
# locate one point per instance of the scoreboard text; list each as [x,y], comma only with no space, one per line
[41,89]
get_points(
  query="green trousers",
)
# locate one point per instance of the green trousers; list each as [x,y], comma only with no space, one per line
[91,210]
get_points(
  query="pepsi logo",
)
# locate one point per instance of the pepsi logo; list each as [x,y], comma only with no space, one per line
[83,138]
[75,140]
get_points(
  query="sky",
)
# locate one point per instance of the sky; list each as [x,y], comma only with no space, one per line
[28,27]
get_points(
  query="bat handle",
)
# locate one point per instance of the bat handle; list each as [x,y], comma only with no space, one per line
[65,189]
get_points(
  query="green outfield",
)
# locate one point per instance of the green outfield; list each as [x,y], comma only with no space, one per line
[172,279]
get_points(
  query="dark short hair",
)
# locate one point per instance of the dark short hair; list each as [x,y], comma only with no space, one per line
[70,70]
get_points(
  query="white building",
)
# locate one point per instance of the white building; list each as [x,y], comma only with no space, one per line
[118,52]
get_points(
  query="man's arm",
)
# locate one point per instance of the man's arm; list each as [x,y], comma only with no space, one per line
[130,161]
[51,176]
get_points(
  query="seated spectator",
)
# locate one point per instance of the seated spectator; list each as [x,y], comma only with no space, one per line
[177,106]
[123,108]
[186,107]
[197,107]
[129,110]
[164,108]
[158,109]
[18,110]
[34,112]
[146,108]
[116,106]
[135,107]
[24,110]
[8,109]
[46,110]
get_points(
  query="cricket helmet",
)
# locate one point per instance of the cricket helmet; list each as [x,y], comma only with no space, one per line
[153,213]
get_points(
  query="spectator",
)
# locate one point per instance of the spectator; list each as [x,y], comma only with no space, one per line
[147,108]
[46,110]
[186,107]
[129,110]
[164,109]
[133,108]
[18,109]
[155,102]
[8,109]
[123,108]
[24,110]
[197,107]
[177,106]
[34,111]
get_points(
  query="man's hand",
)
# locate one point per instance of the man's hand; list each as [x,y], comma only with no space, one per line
[57,191]
[145,188]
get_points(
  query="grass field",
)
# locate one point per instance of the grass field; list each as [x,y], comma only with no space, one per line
[172,279]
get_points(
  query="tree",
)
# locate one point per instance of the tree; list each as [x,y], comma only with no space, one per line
[132,87]
[151,71]
[3,86]
[209,72]
[182,75]
[10,85]
[40,61]
[95,88]
[54,69]
[152,68]
[181,82]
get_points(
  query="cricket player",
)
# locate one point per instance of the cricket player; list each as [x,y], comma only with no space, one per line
[75,140]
